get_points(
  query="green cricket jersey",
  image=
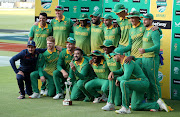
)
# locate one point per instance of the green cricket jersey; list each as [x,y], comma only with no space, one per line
[82,36]
[135,40]
[39,35]
[151,43]
[129,70]
[64,59]
[125,26]
[111,63]
[49,60]
[61,30]
[97,36]
[112,34]
[101,70]
[83,70]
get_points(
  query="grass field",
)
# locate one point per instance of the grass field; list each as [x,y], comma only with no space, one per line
[10,106]
[21,19]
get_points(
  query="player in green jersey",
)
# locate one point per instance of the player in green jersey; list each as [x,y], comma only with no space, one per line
[82,33]
[80,72]
[41,31]
[62,71]
[111,33]
[114,91]
[97,33]
[62,26]
[101,82]
[139,85]
[48,59]
[150,61]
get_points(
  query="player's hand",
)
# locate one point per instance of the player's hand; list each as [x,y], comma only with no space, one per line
[36,23]
[128,59]
[141,51]
[91,61]
[42,78]
[72,66]
[111,76]
[154,28]
[117,83]
[21,73]
[65,74]
[76,23]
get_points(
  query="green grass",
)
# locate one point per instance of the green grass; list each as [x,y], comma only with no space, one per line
[47,107]
[16,19]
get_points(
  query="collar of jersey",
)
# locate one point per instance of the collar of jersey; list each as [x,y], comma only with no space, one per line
[41,27]
[52,51]
[110,27]
[68,52]
[149,28]
[123,60]
[83,27]
[123,19]
[61,19]
[80,62]
[136,25]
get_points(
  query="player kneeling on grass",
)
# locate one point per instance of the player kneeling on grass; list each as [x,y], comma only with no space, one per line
[101,82]
[49,60]
[28,59]
[80,73]
[139,86]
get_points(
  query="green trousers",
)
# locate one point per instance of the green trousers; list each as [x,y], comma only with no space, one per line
[79,91]
[94,85]
[34,82]
[114,93]
[138,88]
[150,68]
[139,61]
[58,81]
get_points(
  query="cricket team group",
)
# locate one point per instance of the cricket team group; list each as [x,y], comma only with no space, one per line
[105,61]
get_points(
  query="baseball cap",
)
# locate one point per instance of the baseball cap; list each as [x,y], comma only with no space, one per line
[70,40]
[95,13]
[59,7]
[134,14]
[148,16]
[118,8]
[107,16]
[31,43]
[107,43]
[83,16]
[96,53]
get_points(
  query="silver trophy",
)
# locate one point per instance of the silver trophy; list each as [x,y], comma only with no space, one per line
[67,101]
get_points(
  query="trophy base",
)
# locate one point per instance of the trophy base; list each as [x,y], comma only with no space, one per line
[67,103]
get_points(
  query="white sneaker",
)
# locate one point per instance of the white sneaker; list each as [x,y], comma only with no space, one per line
[97,100]
[42,92]
[45,92]
[123,110]
[58,96]
[35,95]
[104,98]
[162,105]
[108,107]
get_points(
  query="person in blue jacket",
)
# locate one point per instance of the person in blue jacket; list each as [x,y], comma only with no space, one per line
[28,59]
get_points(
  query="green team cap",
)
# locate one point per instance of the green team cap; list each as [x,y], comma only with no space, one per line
[107,16]
[118,8]
[70,40]
[107,43]
[148,16]
[96,53]
[117,51]
[134,14]
[96,13]
[83,16]
[59,7]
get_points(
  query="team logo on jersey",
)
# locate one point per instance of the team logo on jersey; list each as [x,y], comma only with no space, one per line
[47,30]
[140,29]
[48,57]
[55,22]
[65,22]
[46,4]
[161,5]
[74,9]
[176,70]
[160,76]
[37,30]
[148,34]
[113,31]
